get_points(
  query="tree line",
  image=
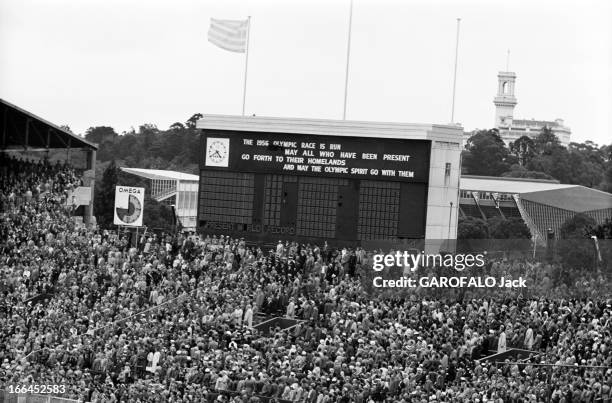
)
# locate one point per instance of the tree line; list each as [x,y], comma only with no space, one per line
[543,157]
[176,148]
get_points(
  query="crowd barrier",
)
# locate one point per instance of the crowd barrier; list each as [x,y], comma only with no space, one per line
[40,298]
[512,353]
[267,327]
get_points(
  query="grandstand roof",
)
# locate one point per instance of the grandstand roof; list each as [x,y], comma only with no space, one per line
[21,129]
[578,199]
[161,174]
[574,198]
[508,185]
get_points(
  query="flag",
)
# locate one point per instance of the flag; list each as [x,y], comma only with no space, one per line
[229,34]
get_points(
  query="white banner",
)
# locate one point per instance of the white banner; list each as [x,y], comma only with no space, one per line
[81,196]
[129,206]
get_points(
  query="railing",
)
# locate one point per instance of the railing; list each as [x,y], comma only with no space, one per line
[164,194]
[40,297]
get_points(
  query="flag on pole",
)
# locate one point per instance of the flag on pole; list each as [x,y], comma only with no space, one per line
[229,34]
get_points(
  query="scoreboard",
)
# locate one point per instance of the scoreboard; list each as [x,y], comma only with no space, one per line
[343,189]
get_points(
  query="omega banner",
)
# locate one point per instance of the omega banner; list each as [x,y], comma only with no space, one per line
[314,155]
[129,206]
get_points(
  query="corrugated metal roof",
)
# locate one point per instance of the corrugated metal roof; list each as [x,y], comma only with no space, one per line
[508,185]
[161,174]
[574,198]
[578,199]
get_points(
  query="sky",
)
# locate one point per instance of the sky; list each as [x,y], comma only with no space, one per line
[123,63]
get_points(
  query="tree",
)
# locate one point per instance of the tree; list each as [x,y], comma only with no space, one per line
[99,134]
[177,126]
[523,149]
[587,162]
[517,171]
[606,183]
[105,195]
[191,122]
[66,128]
[157,215]
[472,228]
[576,250]
[576,226]
[472,234]
[508,228]
[553,161]
[546,139]
[601,231]
[147,129]
[486,154]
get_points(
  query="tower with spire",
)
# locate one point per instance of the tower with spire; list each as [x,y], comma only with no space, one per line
[505,101]
[511,128]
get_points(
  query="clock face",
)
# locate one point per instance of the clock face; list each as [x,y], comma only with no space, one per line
[217,151]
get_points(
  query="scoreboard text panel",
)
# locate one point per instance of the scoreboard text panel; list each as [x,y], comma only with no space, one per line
[321,156]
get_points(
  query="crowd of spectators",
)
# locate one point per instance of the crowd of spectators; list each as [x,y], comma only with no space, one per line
[172,319]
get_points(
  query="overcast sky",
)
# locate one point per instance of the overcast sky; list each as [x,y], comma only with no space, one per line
[123,63]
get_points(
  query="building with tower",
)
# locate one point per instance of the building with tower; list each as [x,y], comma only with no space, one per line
[511,129]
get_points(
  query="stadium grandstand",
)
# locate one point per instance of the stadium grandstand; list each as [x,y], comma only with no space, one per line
[173,188]
[543,204]
[205,318]
[27,136]
[87,316]
[46,187]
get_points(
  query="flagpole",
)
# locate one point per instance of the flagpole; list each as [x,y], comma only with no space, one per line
[348,56]
[455,74]
[246,65]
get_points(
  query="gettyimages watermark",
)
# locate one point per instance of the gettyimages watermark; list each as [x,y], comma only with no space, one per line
[410,262]
[484,267]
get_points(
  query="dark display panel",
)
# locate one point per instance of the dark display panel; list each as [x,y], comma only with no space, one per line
[317,206]
[245,191]
[379,209]
[271,207]
[226,197]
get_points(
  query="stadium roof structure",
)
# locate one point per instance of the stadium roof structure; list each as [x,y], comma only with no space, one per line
[544,205]
[326,127]
[578,199]
[160,174]
[22,130]
[575,198]
[508,185]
